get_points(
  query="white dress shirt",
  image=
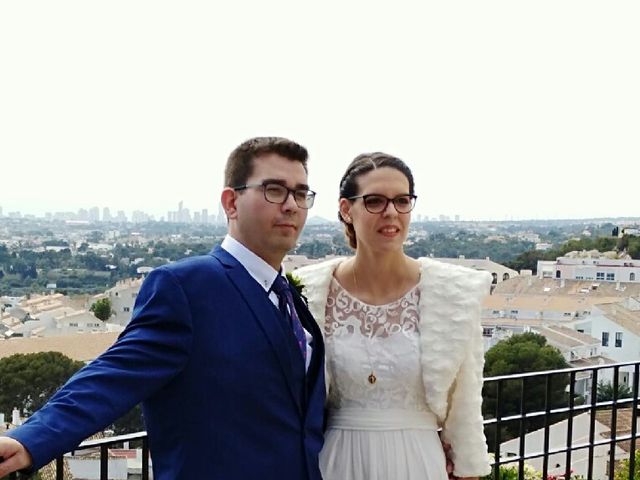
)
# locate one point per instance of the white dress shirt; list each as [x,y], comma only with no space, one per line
[261,272]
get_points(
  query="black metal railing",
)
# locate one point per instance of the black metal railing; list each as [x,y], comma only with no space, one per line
[533,408]
[539,413]
[104,444]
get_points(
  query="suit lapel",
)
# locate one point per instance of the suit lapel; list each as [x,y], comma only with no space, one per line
[313,373]
[310,326]
[263,313]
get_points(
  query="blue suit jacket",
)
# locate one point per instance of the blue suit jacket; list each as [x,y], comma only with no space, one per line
[222,381]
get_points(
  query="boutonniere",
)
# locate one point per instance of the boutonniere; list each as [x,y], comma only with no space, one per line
[296,282]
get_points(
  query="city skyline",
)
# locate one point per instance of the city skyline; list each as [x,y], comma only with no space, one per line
[183,214]
[204,216]
[503,110]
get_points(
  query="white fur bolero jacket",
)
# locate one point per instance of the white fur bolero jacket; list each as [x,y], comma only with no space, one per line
[452,354]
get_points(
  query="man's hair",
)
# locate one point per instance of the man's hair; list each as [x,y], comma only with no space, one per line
[360,165]
[240,163]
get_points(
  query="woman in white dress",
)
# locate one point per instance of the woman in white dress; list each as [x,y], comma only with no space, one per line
[403,341]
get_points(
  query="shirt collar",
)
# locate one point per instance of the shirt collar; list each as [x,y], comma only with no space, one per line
[261,271]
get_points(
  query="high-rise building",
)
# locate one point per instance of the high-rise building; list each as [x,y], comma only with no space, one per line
[180,213]
[106,214]
[94,214]
[138,216]
[221,215]
[121,217]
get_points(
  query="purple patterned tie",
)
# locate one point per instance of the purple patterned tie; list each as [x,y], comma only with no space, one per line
[282,290]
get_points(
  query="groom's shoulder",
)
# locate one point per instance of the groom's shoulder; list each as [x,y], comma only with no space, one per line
[192,265]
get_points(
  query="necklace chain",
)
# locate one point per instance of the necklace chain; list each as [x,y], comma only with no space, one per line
[372,379]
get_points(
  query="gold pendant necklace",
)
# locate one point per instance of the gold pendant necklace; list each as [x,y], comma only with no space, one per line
[372,376]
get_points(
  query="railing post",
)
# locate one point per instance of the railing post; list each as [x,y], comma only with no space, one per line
[634,422]
[614,422]
[145,458]
[547,415]
[60,468]
[592,422]
[496,466]
[104,462]
[572,393]
[523,430]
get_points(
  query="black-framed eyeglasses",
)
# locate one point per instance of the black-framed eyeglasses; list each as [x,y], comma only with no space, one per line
[375,203]
[278,193]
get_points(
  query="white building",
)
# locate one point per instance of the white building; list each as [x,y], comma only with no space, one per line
[80,321]
[631,231]
[87,467]
[527,309]
[617,325]
[123,296]
[579,350]
[593,266]
[58,321]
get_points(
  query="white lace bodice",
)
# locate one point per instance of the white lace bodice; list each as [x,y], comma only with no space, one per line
[362,339]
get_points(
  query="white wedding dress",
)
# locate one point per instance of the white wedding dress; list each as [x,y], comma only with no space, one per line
[379,427]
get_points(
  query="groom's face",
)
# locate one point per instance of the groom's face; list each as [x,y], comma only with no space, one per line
[269,229]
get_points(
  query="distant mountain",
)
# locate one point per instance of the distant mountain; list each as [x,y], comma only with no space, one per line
[316,220]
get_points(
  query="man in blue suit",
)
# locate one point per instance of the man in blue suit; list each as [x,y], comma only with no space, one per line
[226,360]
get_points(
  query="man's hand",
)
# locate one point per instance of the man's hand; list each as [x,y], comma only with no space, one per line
[13,456]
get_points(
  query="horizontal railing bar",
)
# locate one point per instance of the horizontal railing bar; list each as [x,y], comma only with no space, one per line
[559,371]
[555,411]
[111,440]
[555,451]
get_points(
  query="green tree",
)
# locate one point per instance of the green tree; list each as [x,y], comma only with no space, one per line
[526,261]
[92,261]
[622,470]
[28,380]
[96,236]
[315,249]
[35,476]
[130,422]
[4,254]
[605,391]
[102,309]
[634,247]
[527,352]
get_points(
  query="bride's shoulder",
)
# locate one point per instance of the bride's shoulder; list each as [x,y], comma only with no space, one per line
[318,271]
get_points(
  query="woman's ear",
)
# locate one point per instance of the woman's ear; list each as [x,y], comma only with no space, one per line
[345,210]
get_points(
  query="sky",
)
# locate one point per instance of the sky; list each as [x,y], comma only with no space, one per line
[503,109]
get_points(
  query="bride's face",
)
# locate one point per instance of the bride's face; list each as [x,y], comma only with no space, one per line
[388,229]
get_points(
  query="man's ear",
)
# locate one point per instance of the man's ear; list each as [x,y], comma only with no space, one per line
[228,199]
